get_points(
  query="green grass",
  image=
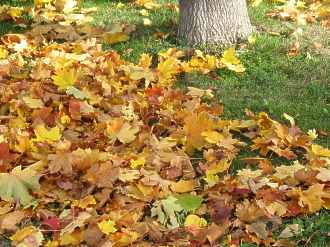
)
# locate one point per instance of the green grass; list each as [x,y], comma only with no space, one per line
[273,82]
[314,229]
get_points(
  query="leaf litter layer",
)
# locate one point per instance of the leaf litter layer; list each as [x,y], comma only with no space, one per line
[99,151]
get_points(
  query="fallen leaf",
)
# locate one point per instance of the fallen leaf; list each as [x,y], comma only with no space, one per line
[320,151]
[26,236]
[17,185]
[10,220]
[47,135]
[195,221]
[33,103]
[189,202]
[184,186]
[77,222]
[65,78]
[230,60]
[290,231]
[107,227]
[166,211]
[313,197]
[259,228]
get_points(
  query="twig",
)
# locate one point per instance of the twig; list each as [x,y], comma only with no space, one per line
[6,117]
[310,238]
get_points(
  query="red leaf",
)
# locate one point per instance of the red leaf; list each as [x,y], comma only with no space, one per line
[4,152]
[241,192]
[74,109]
[153,94]
[53,223]
[220,212]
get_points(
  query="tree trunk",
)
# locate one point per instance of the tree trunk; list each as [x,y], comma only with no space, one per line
[214,21]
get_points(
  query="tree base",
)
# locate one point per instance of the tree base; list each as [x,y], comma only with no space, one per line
[214,21]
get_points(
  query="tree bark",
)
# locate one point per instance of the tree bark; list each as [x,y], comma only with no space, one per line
[214,21]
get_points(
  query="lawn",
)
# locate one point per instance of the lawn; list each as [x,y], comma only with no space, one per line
[273,81]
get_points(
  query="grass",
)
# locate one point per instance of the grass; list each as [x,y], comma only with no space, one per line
[273,82]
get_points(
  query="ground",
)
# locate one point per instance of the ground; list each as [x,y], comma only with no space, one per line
[273,82]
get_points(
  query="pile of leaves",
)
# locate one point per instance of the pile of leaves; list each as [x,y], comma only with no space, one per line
[301,11]
[99,151]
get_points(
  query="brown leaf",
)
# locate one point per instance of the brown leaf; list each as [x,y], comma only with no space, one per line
[290,231]
[10,221]
[92,235]
[195,125]
[214,232]
[183,186]
[312,197]
[220,212]
[259,228]
[248,212]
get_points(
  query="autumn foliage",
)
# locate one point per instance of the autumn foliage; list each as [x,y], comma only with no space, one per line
[99,151]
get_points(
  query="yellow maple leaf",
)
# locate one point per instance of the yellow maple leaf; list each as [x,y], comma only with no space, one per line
[138,162]
[230,60]
[313,197]
[3,52]
[229,57]
[195,125]
[43,134]
[112,38]
[195,221]
[25,236]
[107,226]
[84,202]
[212,136]
[202,63]
[245,175]
[211,174]
[15,12]
[166,70]
[65,78]
[320,151]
